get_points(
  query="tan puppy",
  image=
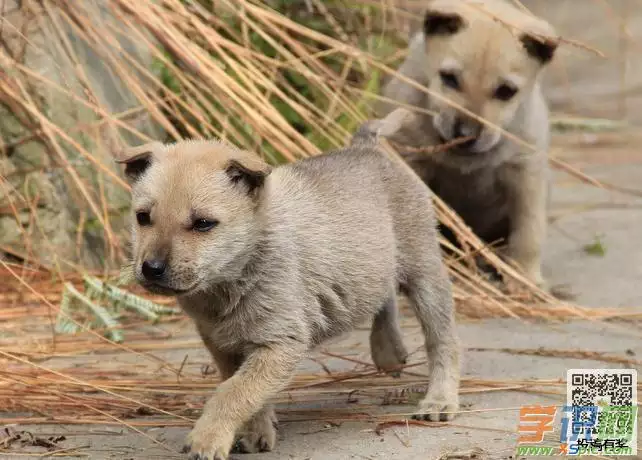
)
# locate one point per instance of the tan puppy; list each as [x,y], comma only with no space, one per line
[271,262]
[485,56]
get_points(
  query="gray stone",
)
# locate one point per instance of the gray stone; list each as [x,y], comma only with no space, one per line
[34,167]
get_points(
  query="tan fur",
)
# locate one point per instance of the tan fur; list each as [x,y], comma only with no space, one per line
[301,253]
[499,187]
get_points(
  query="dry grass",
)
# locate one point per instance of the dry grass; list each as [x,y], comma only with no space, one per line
[237,70]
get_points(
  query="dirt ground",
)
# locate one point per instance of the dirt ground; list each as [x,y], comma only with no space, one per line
[581,215]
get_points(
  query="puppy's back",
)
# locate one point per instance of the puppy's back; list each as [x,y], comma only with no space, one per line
[361,185]
[356,219]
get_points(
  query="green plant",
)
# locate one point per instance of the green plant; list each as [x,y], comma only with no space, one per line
[596,248]
[100,305]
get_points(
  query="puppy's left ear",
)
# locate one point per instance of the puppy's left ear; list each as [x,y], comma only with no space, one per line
[540,48]
[250,175]
[137,159]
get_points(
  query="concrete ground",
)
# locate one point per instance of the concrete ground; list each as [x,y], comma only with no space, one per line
[581,215]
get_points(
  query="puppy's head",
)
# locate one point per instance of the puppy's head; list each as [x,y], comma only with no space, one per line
[195,207]
[484,57]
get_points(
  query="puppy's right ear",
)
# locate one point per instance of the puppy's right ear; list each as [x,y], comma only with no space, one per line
[137,159]
[541,49]
[442,23]
[248,174]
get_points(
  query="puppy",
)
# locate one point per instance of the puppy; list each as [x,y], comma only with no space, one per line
[486,57]
[270,262]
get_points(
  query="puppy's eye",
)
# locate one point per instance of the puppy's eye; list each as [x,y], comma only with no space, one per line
[505,92]
[143,219]
[449,79]
[204,225]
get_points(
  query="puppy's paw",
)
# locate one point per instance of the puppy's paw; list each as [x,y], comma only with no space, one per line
[515,287]
[438,407]
[388,354]
[208,441]
[259,434]
[563,292]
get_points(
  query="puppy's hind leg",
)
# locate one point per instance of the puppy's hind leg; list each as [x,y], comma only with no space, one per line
[386,344]
[430,295]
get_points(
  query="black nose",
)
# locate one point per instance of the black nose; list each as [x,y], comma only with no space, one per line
[460,129]
[153,269]
[457,129]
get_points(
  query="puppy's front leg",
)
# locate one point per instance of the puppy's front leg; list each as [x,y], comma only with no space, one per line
[265,371]
[259,432]
[528,190]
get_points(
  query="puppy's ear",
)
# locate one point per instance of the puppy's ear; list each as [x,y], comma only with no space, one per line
[540,48]
[137,159]
[441,23]
[250,175]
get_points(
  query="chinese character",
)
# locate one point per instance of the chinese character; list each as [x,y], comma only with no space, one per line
[534,422]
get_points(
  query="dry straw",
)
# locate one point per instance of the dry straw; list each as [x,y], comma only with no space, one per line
[230,87]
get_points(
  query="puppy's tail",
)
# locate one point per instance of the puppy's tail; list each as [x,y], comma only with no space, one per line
[370,131]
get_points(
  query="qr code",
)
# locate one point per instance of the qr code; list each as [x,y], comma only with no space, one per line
[612,387]
[601,411]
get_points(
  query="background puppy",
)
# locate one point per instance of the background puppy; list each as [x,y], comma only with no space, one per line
[486,57]
[270,262]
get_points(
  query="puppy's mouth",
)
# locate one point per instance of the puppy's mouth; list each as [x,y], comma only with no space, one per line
[459,145]
[160,289]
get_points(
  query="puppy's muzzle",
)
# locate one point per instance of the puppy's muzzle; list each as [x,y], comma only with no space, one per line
[156,278]
[154,269]
[467,128]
